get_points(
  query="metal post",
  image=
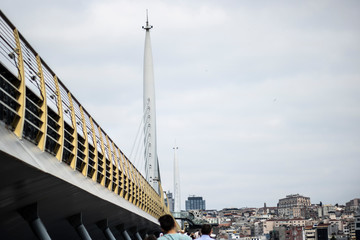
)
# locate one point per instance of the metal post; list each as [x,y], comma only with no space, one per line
[137,235]
[76,222]
[39,229]
[83,233]
[30,214]
[108,234]
[124,233]
[103,225]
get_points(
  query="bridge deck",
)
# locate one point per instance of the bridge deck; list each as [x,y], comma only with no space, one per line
[53,153]
[60,193]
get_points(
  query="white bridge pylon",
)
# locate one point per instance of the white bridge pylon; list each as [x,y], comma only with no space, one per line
[144,151]
[152,172]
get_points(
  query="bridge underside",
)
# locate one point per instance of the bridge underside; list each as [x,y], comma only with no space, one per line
[39,178]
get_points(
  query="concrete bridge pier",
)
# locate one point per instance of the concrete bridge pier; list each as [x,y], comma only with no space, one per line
[76,222]
[30,214]
[103,225]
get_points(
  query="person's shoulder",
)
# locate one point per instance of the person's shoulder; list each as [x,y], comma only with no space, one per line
[204,237]
[162,238]
[184,237]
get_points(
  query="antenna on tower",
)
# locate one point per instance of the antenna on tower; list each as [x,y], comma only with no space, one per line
[147,27]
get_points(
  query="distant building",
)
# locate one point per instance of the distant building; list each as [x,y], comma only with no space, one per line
[357,226]
[296,222]
[317,232]
[287,233]
[322,231]
[326,210]
[310,233]
[171,200]
[353,205]
[195,203]
[293,206]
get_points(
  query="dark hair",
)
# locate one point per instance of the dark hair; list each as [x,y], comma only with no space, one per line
[166,222]
[206,229]
[151,237]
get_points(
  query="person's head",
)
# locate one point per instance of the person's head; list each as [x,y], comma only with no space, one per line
[167,222]
[206,229]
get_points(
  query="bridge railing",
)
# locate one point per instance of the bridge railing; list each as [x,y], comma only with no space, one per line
[37,106]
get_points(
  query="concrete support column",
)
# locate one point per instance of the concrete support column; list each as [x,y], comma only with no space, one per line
[126,235]
[30,214]
[143,233]
[123,232]
[76,222]
[103,225]
[135,233]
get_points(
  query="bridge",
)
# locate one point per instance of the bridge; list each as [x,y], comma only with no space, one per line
[61,174]
[194,223]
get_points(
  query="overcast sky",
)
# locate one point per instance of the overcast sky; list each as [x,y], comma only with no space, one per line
[262,97]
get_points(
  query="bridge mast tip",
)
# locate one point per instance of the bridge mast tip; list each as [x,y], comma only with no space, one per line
[147,27]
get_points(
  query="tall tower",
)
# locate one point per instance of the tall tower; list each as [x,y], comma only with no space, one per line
[177,198]
[151,160]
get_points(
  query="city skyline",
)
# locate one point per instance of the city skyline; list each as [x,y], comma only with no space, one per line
[262,98]
[267,205]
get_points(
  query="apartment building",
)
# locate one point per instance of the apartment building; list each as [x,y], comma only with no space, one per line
[293,206]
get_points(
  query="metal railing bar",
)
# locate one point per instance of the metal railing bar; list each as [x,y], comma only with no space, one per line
[8,107]
[32,124]
[79,150]
[34,104]
[7,47]
[12,98]
[69,142]
[33,114]
[9,37]
[51,128]
[67,131]
[51,118]
[6,26]
[51,138]
[68,150]
[12,62]
[29,67]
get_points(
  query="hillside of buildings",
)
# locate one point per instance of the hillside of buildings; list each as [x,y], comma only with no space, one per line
[294,218]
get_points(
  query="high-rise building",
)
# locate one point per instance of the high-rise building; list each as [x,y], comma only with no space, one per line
[195,203]
[170,201]
[293,206]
